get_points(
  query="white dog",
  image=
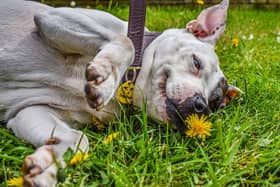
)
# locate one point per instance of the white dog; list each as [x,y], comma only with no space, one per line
[45,92]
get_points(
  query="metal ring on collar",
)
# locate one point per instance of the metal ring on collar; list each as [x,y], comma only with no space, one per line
[134,69]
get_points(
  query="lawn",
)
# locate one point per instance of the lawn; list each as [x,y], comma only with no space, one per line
[244,147]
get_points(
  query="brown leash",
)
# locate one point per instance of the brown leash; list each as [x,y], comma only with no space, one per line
[139,37]
[136,25]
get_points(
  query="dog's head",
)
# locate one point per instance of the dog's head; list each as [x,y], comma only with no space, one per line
[181,73]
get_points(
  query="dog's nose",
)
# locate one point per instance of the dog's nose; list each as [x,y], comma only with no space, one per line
[200,105]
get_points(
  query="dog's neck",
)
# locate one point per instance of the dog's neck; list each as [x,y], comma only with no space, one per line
[124,94]
[143,81]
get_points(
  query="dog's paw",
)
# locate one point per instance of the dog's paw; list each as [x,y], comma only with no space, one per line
[98,71]
[94,97]
[101,83]
[39,169]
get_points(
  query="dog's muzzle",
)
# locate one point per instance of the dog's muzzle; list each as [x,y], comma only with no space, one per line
[178,111]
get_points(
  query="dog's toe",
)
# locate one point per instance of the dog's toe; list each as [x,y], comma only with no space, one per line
[28,164]
[97,73]
[94,97]
[29,182]
[93,76]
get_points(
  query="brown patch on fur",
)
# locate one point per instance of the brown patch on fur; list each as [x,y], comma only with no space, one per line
[162,87]
[52,141]
[27,165]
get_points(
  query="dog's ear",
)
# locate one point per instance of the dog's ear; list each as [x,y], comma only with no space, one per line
[210,24]
[232,92]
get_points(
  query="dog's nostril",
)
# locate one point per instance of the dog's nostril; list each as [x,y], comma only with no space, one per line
[199,104]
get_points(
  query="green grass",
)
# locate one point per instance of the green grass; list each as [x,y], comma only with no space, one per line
[244,148]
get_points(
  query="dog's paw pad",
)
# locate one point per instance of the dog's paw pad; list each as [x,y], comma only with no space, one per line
[94,97]
[96,73]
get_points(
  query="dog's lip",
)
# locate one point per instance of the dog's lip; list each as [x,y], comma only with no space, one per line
[174,117]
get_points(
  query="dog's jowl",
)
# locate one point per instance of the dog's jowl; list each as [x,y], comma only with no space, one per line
[61,66]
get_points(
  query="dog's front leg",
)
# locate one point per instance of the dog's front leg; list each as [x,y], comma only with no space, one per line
[106,70]
[42,127]
[74,32]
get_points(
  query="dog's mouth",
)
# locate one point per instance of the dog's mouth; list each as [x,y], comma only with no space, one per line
[178,112]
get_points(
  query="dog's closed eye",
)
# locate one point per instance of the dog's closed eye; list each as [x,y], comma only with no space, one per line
[196,63]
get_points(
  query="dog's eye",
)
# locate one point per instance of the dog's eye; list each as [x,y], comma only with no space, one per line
[196,62]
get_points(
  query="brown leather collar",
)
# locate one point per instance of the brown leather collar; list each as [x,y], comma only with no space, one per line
[139,37]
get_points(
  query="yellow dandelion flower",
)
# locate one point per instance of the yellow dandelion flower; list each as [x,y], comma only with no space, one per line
[78,157]
[97,123]
[111,137]
[15,182]
[198,126]
[235,42]
[200,2]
